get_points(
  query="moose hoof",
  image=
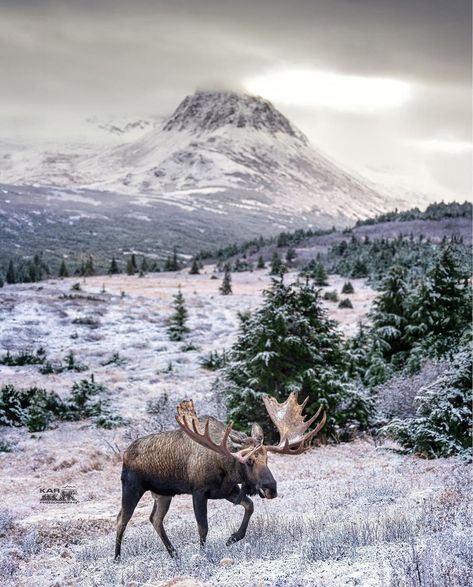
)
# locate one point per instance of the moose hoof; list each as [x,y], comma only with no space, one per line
[233,538]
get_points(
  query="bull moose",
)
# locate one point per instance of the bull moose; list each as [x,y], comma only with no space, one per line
[209,460]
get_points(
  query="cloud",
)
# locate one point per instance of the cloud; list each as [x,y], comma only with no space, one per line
[65,58]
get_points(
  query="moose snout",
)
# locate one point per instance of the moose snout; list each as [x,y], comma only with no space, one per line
[270,491]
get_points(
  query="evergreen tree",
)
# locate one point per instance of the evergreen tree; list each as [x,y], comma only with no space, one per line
[291,254]
[2,283]
[11,273]
[88,268]
[226,287]
[348,288]
[260,264]
[129,266]
[63,271]
[277,266]
[144,266]
[390,318]
[442,426]
[290,344]
[172,262]
[113,269]
[320,275]
[177,323]
[441,307]
[133,263]
[195,268]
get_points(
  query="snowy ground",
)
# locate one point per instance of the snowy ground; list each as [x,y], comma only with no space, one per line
[352,514]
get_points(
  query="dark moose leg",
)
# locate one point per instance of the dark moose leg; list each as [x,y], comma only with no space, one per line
[160,509]
[237,499]
[200,510]
[130,497]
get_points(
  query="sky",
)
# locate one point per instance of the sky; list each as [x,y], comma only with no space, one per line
[381,86]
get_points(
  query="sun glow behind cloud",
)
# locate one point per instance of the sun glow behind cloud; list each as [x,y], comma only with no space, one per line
[346,93]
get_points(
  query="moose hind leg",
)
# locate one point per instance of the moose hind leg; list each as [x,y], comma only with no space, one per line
[160,509]
[246,502]
[130,499]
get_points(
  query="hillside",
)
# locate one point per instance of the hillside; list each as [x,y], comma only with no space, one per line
[223,166]
[346,514]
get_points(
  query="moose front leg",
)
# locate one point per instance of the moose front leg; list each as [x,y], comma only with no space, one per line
[238,499]
[199,501]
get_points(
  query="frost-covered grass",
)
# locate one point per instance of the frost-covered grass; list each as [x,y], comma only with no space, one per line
[362,528]
[349,515]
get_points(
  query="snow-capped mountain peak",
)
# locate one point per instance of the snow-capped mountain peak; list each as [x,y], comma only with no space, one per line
[209,111]
[227,153]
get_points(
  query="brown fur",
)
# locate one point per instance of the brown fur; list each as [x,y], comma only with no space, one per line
[171,463]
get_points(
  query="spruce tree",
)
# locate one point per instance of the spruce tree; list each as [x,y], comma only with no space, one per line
[144,266]
[177,323]
[290,344]
[113,269]
[277,266]
[442,426]
[63,271]
[226,287]
[10,276]
[441,307]
[89,268]
[320,275]
[129,266]
[133,263]
[390,317]
[348,288]
[291,254]
[260,264]
[195,267]
[172,262]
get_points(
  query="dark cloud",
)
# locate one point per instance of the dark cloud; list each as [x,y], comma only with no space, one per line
[141,57]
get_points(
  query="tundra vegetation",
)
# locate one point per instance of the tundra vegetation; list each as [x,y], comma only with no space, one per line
[388,508]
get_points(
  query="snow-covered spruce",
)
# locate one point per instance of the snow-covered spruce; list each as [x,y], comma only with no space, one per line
[442,426]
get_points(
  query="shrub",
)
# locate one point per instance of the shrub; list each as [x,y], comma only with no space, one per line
[331,296]
[442,426]
[69,364]
[214,360]
[33,407]
[36,408]
[24,358]
[348,288]
[189,346]
[86,321]
[115,359]
[345,303]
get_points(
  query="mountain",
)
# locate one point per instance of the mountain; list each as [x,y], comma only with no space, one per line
[223,166]
[220,141]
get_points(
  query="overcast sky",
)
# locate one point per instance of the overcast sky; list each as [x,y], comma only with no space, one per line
[380,85]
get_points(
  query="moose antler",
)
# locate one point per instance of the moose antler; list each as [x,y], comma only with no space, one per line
[291,424]
[188,420]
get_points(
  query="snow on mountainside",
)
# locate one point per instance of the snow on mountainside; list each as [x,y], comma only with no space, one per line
[216,141]
[216,147]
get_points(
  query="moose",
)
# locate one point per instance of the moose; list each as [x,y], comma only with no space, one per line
[208,460]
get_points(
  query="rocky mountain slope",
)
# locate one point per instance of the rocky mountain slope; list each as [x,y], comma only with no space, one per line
[224,166]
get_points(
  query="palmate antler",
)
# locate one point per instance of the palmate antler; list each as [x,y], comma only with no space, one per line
[188,420]
[291,424]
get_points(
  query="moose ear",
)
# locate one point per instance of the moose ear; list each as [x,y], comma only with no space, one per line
[257,433]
